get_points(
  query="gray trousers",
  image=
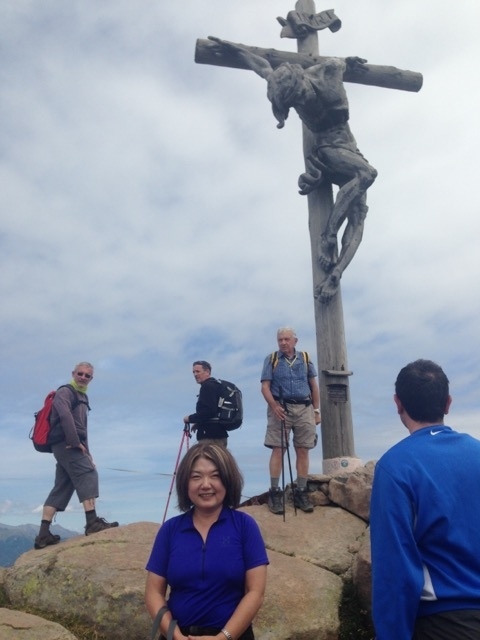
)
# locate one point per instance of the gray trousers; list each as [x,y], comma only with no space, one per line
[75,471]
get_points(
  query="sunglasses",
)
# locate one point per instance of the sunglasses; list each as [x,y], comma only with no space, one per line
[83,375]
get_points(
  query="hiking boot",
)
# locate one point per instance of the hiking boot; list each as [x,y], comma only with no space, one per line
[46,540]
[99,524]
[275,501]
[302,501]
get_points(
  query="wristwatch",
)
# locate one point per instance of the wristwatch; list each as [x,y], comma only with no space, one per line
[316,411]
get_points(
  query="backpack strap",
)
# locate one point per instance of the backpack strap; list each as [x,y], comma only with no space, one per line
[274,359]
[76,400]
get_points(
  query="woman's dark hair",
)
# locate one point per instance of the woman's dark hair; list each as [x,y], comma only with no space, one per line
[230,474]
[422,388]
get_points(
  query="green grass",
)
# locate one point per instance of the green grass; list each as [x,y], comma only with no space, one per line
[355,621]
[3,599]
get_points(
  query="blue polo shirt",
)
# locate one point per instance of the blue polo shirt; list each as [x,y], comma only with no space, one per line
[290,377]
[207,580]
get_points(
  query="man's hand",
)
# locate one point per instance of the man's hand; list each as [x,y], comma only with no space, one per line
[354,63]
[279,412]
[81,446]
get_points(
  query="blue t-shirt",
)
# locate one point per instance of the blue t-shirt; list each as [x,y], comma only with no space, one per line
[207,580]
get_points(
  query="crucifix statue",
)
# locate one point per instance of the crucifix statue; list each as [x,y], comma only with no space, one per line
[313,86]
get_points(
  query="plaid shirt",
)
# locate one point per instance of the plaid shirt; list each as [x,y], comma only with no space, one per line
[292,379]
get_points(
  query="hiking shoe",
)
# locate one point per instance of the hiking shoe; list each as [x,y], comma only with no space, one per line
[99,524]
[275,501]
[44,541]
[302,501]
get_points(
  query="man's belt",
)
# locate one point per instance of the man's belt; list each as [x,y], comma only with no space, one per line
[305,401]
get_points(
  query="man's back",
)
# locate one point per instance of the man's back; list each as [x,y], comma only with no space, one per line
[425,523]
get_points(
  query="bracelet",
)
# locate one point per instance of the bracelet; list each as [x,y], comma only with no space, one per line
[227,634]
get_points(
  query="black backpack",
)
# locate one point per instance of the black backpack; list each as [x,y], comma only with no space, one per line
[230,406]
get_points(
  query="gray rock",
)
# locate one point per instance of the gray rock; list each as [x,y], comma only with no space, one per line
[101,578]
[301,602]
[16,625]
[352,491]
[327,538]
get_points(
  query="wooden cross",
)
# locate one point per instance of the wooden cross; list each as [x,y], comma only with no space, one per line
[313,86]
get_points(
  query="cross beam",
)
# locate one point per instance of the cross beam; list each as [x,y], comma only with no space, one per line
[209,52]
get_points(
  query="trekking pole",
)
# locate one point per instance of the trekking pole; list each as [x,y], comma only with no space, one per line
[185,436]
[284,430]
[282,437]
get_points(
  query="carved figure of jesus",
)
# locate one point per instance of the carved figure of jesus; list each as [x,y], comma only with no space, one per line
[318,95]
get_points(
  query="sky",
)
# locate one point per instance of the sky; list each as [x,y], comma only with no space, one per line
[150,216]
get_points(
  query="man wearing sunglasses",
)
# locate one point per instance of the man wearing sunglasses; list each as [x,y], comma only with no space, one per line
[75,469]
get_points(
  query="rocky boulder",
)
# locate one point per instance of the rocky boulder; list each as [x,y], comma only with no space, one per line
[100,579]
[16,625]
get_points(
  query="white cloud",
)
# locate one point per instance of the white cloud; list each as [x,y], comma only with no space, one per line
[150,217]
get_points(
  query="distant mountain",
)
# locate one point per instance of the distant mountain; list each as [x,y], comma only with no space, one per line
[16,540]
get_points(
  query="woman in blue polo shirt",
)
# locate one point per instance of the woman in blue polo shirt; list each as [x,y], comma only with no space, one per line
[212,557]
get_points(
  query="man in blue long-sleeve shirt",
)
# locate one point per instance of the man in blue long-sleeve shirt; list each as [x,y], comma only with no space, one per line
[425,519]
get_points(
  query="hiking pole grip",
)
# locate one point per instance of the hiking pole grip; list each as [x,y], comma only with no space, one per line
[283,404]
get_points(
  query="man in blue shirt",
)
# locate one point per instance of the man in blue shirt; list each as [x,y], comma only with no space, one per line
[425,519]
[290,389]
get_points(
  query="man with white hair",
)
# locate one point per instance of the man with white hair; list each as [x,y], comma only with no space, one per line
[75,470]
[290,389]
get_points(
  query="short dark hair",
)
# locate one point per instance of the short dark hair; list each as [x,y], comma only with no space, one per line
[203,363]
[422,388]
[230,474]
